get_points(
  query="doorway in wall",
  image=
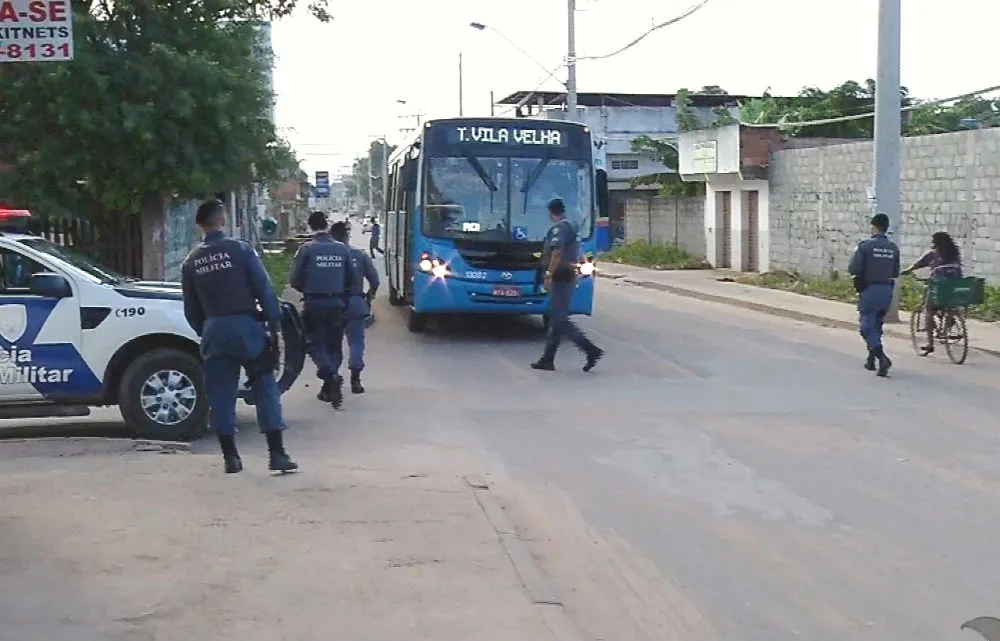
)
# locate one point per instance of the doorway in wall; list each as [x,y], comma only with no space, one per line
[724,229]
[751,231]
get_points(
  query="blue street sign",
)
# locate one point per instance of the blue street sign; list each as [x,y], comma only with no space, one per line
[323,184]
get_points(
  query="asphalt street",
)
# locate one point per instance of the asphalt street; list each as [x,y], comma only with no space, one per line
[723,474]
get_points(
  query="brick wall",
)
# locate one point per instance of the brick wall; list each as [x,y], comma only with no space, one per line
[819,207]
[668,220]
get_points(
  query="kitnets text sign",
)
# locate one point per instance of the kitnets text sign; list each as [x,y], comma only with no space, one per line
[513,136]
[36,31]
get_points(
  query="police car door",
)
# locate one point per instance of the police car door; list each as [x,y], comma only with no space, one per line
[39,336]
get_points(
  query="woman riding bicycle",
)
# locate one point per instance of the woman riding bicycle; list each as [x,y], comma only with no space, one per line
[945,262]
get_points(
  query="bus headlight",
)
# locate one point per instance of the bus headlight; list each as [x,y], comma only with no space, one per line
[439,270]
[425,265]
[587,268]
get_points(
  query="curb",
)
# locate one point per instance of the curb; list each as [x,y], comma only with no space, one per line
[772,310]
[535,583]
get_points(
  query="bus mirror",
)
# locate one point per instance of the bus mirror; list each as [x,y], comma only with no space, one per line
[603,197]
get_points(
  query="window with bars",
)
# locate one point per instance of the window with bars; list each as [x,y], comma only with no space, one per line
[625,164]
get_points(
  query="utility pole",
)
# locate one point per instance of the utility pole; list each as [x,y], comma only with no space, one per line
[492,105]
[459,85]
[888,128]
[571,62]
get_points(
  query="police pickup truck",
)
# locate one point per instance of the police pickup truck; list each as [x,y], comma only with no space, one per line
[75,335]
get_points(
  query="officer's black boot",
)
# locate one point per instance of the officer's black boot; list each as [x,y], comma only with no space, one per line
[356,386]
[324,391]
[594,354]
[883,363]
[544,364]
[870,361]
[336,396]
[230,456]
[279,459]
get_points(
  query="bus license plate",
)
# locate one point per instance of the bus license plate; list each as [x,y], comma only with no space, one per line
[506,292]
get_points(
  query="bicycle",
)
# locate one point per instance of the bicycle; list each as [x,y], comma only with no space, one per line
[949,298]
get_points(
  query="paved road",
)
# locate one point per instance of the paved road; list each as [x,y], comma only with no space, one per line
[722,475]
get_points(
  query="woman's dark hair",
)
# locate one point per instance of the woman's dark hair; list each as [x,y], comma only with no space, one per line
[946,248]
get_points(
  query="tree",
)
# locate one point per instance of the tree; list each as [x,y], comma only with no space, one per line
[713,90]
[664,152]
[357,182]
[853,98]
[162,98]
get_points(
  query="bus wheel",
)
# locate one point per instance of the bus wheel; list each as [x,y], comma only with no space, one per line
[394,298]
[416,323]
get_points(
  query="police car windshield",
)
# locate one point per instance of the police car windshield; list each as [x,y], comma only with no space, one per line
[503,199]
[75,258]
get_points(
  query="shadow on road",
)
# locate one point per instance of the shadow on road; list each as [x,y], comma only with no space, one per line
[483,327]
[93,428]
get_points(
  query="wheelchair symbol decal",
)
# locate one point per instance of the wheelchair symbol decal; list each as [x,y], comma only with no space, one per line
[519,233]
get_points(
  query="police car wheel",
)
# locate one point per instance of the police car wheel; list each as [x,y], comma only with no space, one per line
[162,396]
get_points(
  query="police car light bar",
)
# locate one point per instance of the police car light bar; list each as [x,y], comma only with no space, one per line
[10,214]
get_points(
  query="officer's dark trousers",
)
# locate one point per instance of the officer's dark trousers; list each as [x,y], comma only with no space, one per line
[873,303]
[560,325]
[229,344]
[354,330]
[324,338]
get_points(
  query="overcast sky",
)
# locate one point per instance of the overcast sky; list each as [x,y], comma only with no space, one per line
[338,84]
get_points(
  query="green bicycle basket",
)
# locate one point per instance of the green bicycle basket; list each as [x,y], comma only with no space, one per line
[958,292]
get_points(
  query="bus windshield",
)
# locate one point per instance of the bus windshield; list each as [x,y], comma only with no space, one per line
[502,199]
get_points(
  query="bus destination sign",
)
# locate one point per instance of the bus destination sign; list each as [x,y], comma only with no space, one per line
[508,136]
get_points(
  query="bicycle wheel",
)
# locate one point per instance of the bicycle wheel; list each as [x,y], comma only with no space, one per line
[956,338]
[918,328]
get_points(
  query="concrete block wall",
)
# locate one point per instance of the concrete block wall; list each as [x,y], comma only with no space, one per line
[666,220]
[819,207]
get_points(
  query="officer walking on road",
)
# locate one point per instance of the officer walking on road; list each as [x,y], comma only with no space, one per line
[875,265]
[559,259]
[322,272]
[358,306]
[223,281]
[376,235]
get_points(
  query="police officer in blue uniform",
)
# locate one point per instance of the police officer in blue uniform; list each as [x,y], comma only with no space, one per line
[322,272]
[358,306]
[875,265]
[559,260]
[223,282]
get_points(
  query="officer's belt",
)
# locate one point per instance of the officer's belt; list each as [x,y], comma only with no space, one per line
[322,296]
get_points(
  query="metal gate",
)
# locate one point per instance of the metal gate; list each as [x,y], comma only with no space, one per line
[752,247]
[724,229]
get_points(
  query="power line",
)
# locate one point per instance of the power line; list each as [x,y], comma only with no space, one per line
[830,121]
[649,31]
[655,27]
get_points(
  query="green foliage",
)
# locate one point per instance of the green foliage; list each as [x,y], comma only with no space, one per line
[853,98]
[665,152]
[653,255]
[835,287]
[161,98]
[687,119]
[279,269]
[357,182]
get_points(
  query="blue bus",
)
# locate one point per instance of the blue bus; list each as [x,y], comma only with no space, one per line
[466,215]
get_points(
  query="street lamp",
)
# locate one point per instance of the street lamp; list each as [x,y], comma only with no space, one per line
[570,83]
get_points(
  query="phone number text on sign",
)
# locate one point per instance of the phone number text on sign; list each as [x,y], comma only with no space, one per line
[36,30]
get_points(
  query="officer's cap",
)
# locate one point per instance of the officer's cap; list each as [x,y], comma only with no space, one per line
[557,206]
[880,221]
[208,209]
[339,230]
[317,221]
